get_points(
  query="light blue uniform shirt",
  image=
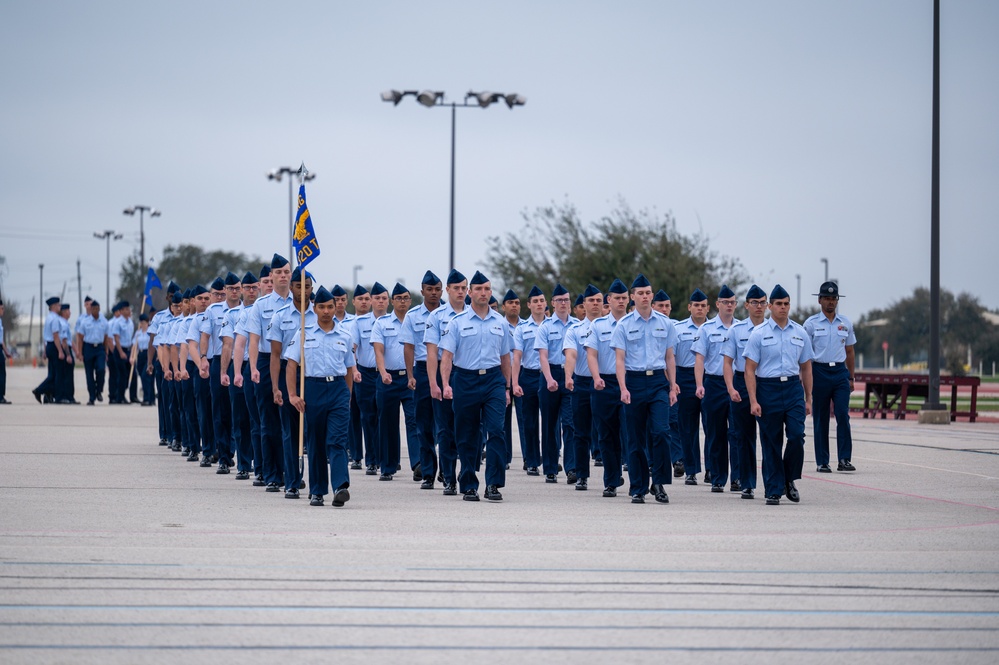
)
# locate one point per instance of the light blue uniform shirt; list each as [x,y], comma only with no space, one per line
[437,324]
[65,334]
[738,335]
[551,335]
[259,317]
[360,333]
[193,333]
[142,339]
[387,331]
[94,330]
[601,333]
[645,341]
[125,330]
[710,343]
[687,333]
[778,352]
[523,338]
[414,326]
[326,353]
[181,328]
[158,318]
[284,324]
[163,329]
[211,324]
[829,340]
[574,338]
[233,317]
[51,326]
[476,342]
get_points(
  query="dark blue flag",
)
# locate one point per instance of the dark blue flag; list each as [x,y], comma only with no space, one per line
[152,282]
[304,237]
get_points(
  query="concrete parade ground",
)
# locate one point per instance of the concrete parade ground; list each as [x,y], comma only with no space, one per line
[115,550]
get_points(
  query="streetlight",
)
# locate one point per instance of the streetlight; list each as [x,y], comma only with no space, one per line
[431,99]
[276,175]
[357,269]
[41,308]
[826,262]
[142,210]
[108,236]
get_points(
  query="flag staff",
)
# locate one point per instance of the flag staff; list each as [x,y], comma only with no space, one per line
[303,211]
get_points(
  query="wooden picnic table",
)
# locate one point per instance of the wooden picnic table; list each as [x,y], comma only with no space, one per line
[889,392]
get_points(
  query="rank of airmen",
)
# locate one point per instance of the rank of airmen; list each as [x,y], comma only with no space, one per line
[606,386]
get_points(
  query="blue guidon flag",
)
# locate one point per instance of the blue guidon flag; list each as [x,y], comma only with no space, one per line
[152,282]
[304,237]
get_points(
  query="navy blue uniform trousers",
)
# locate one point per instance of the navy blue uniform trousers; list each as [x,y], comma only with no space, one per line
[327,407]
[782,404]
[389,398]
[647,419]
[582,423]
[253,412]
[744,433]
[831,384]
[423,405]
[221,411]
[607,412]
[688,419]
[556,424]
[240,425]
[479,402]
[94,363]
[271,446]
[718,450]
[529,414]
[364,393]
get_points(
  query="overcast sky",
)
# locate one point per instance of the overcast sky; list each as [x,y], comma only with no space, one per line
[788,131]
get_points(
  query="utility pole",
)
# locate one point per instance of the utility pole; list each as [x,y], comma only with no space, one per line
[79,285]
[41,305]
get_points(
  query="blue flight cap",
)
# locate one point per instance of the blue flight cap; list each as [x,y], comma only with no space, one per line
[559,290]
[218,284]
[578,301]
[617,286]
[726,292]
[249,278]
[232,279]
[591,291]
[198,290]
[338,291]
[187,294]
[63,307]
[52,301]
[322,295]
[430,279]
[172,288]
[698,296]
[265,271]
[510,295]
[454,277]
[399,290]
[605,298]
[143,317]
[535,292]
[178,298]
[123,304]
[378,289]
[640,281]
[94,303]
[492,301]
[278,261]
[114,308]
[359,290]
[755,293]
[778,293]
[479,278]
[661,296]
[468,300]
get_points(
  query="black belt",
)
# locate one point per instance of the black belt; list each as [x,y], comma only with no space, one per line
[556,369]
[396,372]
[364,368]
[530,372]
[644,372]
[777,379]
[739,373]
[477,372]
[681,368]
[830,364]
[98,344]
[609,377]
[263,354]
[421,363]
[324,379]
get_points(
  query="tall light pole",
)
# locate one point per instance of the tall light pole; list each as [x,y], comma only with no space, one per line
[826,262]
[798,301]
[357,269]
[276,175]
[41,307]
[142,210]
[108,236]
[431,99]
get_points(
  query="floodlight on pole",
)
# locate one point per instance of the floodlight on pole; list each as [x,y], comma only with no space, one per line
[276,175]
[142,210]
[434,98]
[108,236]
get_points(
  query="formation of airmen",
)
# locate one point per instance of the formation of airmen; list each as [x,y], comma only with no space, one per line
[609,381]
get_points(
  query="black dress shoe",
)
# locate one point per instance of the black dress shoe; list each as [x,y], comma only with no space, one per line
[570,477]
[717,488]
[100,397]
[370,471]
[291,494]
[735,486]
[301,484]
[273,487]
[533,471]
[624,467]
[206,462]
[242,475]
[610,492]
[792,492]
[551,478]
[844,465]
[3,400]
[691,479]
[707,476]
[492,493]
[163,442]
[340,497]
[316,500]
[450,489]
[581,485]
[192,457]
[427,484]
[659,492]
[638,498]
[748,493]
[470,495]
[90,403]
[440,477]
[355,465]
[823,468]
[385,476]
[678,470]
[38,396]
[417,473]
[773,500]
[598,462]
[258,481]
[223,468]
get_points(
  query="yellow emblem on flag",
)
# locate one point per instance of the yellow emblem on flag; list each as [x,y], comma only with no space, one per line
[301,233]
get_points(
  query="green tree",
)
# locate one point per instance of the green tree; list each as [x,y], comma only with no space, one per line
[555,245]
[185,264]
